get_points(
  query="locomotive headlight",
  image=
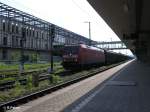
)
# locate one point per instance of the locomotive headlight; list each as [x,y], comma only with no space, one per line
[70,54]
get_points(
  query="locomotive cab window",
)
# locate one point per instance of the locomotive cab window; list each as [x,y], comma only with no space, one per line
[71,49]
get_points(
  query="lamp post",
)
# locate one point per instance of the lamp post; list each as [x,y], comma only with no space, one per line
[89,31]
[52,35]
[22,60]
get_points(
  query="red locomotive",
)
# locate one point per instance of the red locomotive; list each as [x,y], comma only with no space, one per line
[82,55]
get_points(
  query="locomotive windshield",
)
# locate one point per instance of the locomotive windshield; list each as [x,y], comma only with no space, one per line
[71,50]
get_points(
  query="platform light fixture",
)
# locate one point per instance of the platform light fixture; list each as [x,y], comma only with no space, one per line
[89,23]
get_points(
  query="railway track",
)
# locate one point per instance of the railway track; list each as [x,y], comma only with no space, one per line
[24,99]
[14,73]
[11,84]
[43,75]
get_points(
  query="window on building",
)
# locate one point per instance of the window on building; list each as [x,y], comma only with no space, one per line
[8,26]
[5,41]
[17,41]
[33,33]
[17,30]
[27,32]
[4,26]
[13,40]
[46,46]
[4,54]
[42,35]
[13,28]
[32,43]
[30,32]
[37,34]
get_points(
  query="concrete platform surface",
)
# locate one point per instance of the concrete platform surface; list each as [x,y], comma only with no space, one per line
[59,100]
[128,91]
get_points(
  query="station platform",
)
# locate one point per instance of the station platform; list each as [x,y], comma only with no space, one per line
[127,91]
[125,88]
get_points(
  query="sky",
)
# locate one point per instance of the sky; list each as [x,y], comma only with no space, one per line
[69,14]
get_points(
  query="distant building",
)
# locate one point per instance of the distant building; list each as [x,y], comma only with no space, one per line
[17,27]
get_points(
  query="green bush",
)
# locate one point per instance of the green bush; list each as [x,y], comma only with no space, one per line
[7,79]
[34,57]
[56,79]
[29,83]
[18,90]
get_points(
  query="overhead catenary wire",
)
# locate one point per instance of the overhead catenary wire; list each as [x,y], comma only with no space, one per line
[83,10]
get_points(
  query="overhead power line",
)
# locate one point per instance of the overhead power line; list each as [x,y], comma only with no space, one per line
[83,10]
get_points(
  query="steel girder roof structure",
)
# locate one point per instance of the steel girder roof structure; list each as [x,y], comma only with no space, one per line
[13,14]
